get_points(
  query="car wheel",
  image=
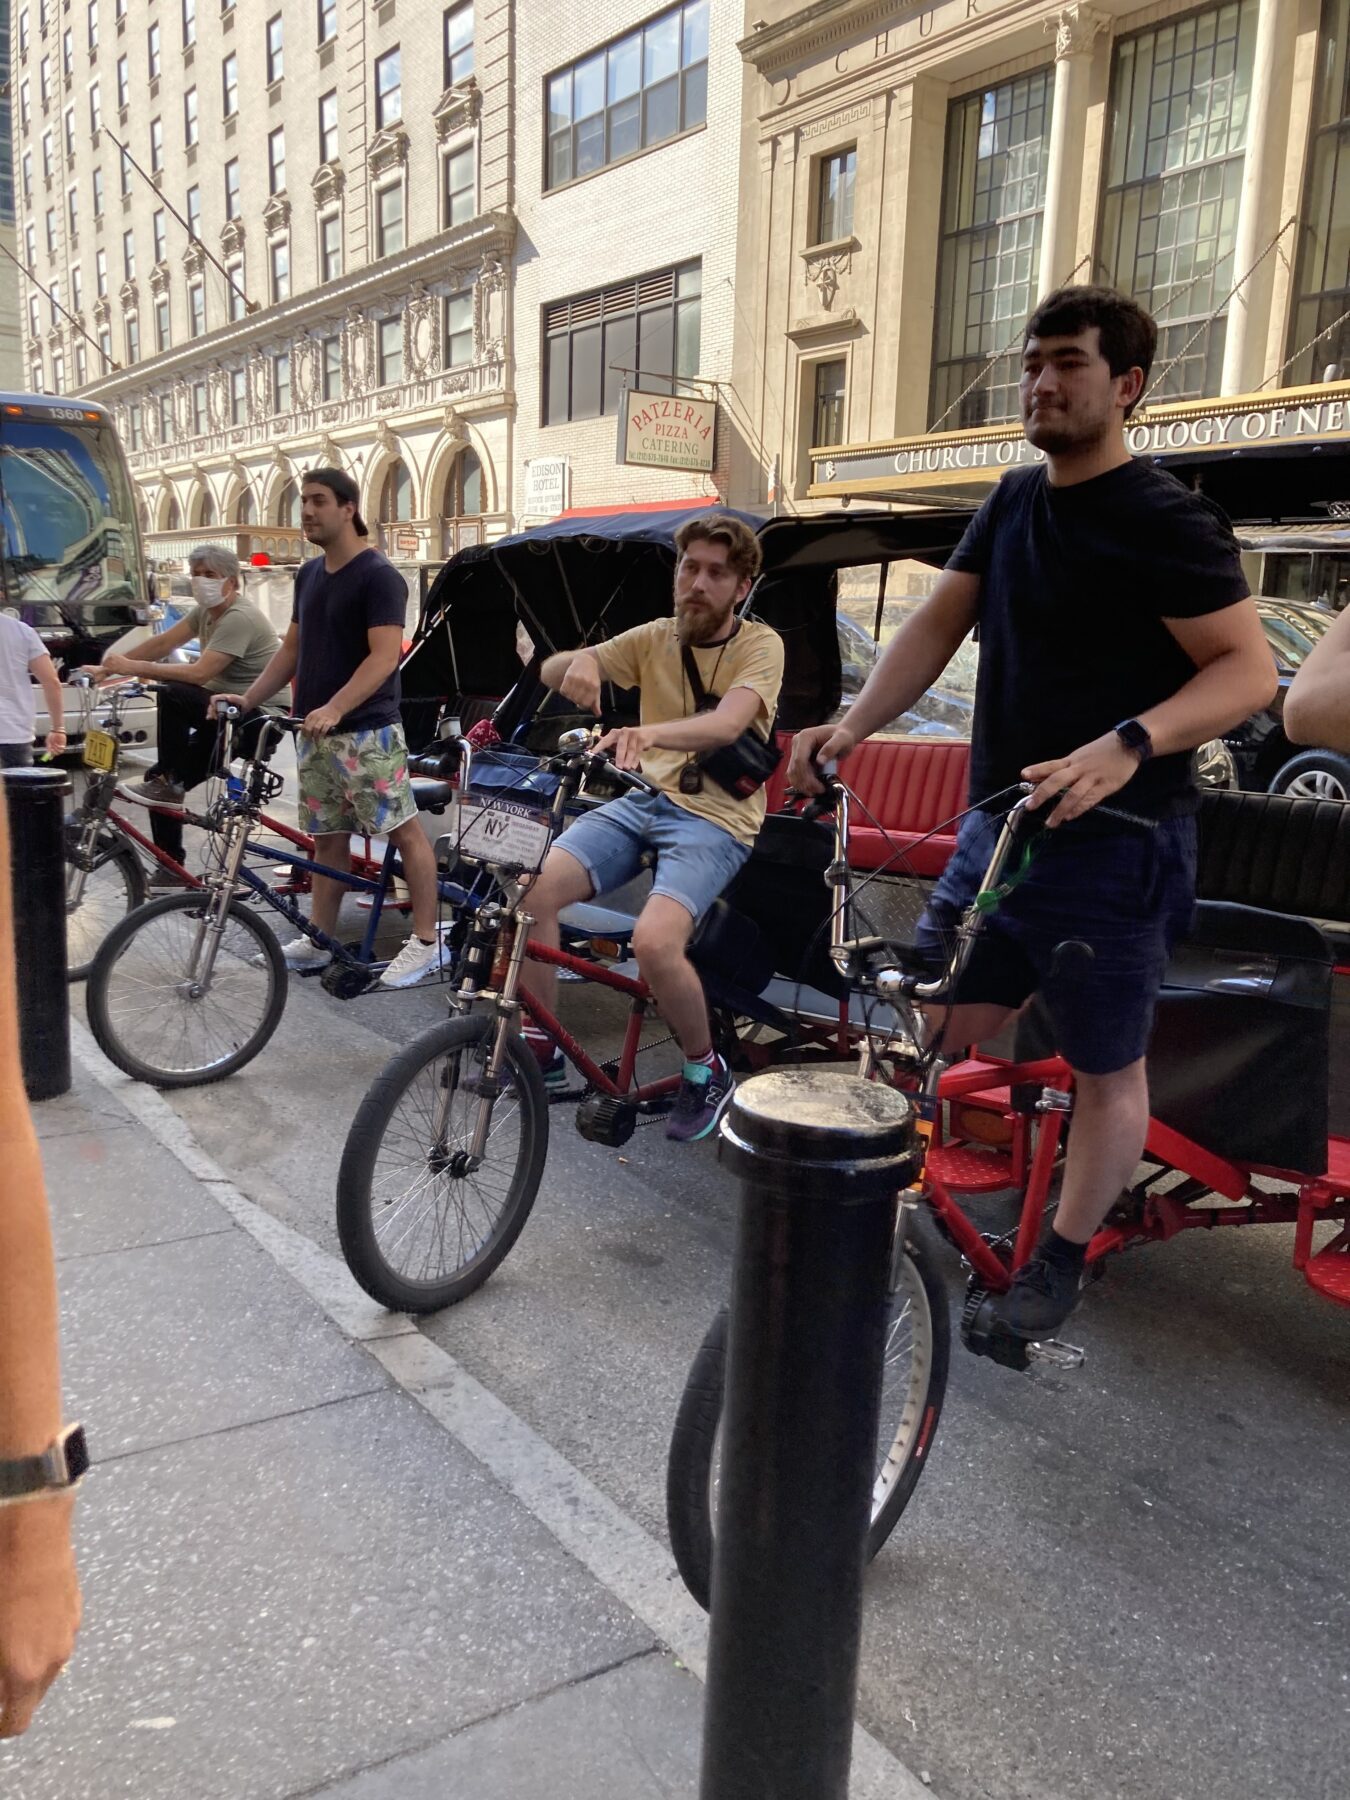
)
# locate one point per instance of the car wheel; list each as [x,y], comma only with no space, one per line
[1314,775]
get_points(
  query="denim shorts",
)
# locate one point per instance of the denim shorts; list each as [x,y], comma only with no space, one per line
[695,859]
[1090,928]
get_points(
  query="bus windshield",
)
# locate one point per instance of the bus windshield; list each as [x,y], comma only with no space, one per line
[70,533]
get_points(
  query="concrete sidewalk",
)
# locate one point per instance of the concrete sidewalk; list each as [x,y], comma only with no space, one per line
[298,1579]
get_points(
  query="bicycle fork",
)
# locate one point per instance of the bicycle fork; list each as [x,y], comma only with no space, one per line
[206,945]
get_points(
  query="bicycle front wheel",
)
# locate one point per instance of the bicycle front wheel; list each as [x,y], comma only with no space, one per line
[111,888]
[421,1220]
[914,1382]
[156,1020]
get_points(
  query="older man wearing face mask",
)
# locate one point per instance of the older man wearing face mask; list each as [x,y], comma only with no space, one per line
[236,644]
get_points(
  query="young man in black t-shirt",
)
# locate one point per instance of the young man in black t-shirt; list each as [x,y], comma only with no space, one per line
[1116,634]
[343,648]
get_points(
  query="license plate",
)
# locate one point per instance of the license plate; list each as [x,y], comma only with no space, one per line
[100,751]
[503,832]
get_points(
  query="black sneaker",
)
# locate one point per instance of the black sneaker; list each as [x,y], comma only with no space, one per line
[701,1101]
[1042,1295]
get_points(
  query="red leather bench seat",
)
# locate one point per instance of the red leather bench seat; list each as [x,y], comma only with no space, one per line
[908,786]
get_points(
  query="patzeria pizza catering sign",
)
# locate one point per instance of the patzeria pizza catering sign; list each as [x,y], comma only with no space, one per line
[665,431]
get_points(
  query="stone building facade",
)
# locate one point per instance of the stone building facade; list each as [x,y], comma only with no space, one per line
[913,178]
[305,256]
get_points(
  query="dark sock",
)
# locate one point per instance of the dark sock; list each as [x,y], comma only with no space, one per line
[427,941]
[1064,1251]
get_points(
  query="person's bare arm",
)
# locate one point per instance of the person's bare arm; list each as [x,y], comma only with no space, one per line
[907,668]
[1317,706]
[385,648]
[575,674]
[39,1590]
[155,649]
[274,677]
[736,712]
[1234,675]
[194,674]
[43,671]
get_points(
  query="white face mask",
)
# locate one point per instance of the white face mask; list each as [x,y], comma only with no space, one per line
[207,590]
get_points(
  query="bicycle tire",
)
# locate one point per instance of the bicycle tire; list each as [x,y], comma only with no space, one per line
[358,1178]
[694,1439]
[263,952]
[115,857]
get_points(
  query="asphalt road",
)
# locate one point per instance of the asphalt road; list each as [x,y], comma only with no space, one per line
[1123,1582]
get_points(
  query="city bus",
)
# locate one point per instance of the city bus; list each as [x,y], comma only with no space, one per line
[71,564]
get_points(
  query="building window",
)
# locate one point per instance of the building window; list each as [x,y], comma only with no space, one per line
[69,123]
[595,343]
[330,246]
[124,173]
[92,18]
[35,376]
[135,425]
[159,225]
[77,289]
[244,509]
[834,196]
[827,414]
[281,389]
[458,44]
[1322,280]
[58,372]
[391,352]
[389,219]
[133,338]
[34,316]
[166,435]
[327,21]
[1174,161]
[189,22]
[30,245]
[388,88]
[67,53]
[328,127]
[238,399]
[45,81]
[232,188]
[152,56]
[73,212]
[95,108]
[156,145]
[639,91]
[96,175]
[998,144]
[229,83]
[199,413]
[23,31]
[459,330]
[27,168]
[120,9]
[288,504]
[238,308]
[47,156]
[275,62]
[25,107]
[81,365]
[281,270]
[128,256]
[330,368]
[194,210]
[123,83]
[51,231]
[163,336]
[54,304]
[197,309]
[105,344]
[461,198]
[396,501]
[276,160]
[206,506]
[190,117]
[101,273]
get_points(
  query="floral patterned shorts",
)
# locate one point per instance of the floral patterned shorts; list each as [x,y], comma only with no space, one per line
[355,781]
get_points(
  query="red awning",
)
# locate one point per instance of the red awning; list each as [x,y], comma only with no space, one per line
[638,506]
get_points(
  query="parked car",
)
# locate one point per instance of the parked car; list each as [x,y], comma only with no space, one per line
[1264,760]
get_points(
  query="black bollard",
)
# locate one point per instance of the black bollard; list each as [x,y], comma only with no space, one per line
[36,799]
[821,1155]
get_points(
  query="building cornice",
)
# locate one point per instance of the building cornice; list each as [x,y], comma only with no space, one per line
[491,234]
[818,26]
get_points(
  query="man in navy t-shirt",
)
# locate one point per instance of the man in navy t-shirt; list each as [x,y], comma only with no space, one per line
[1116,634]
[343,649]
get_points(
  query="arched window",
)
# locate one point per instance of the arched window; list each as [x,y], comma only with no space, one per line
[206,511]
[396,502]
[288,505]
[462,504]
[143,514]
[244,511]
[173,519]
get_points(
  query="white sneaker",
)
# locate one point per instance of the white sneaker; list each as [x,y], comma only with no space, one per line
[301,954]
[414,961]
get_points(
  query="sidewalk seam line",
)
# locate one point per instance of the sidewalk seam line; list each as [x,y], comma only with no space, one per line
[188,1237]
[197,1437]
[615,1549]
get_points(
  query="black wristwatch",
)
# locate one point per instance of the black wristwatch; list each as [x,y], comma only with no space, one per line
[58,1469]
[1135,737]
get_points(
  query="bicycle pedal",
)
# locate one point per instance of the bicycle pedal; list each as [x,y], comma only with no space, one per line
[1056,1353]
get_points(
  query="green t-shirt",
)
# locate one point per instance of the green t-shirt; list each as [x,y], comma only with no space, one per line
[243,634]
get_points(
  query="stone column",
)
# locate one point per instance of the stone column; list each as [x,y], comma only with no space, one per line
[1075,30]
[1262,169]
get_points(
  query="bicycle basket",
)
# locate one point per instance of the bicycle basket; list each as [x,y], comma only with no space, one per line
[504,817]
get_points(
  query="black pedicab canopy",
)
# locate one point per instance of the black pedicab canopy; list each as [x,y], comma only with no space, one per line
[581,580]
